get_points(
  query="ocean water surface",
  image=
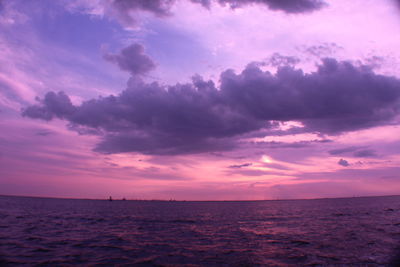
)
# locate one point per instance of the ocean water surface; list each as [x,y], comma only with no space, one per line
[323,232]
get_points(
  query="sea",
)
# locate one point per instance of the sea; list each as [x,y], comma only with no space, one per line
[359,231]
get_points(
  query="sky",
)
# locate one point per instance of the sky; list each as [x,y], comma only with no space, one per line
[200,99]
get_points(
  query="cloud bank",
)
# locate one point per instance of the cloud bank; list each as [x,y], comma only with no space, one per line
[288,6]
[199,117]
[124,9]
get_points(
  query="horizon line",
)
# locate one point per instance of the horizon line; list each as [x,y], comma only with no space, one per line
[174,200]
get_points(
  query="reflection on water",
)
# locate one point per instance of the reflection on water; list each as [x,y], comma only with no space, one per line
[353,231]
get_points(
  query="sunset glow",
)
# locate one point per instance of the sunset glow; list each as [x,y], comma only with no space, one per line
[199,100]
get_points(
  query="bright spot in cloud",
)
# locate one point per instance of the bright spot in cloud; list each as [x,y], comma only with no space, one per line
[266,159]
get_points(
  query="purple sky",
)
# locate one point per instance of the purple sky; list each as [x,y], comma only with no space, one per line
[200,99]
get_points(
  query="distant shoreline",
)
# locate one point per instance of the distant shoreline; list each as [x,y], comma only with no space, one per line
[173,200]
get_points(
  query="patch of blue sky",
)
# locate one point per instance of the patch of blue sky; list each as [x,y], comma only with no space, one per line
[70,43]
[178,54]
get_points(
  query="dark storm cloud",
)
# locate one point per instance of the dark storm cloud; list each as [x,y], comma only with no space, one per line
[132,59]
[337,97]
[343,162]
[238,166]
[199,117]
[154,119]
[366,153]
[53,105]
[123,9]
[289,6]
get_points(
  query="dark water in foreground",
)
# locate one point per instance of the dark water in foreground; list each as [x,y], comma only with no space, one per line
[326,232]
